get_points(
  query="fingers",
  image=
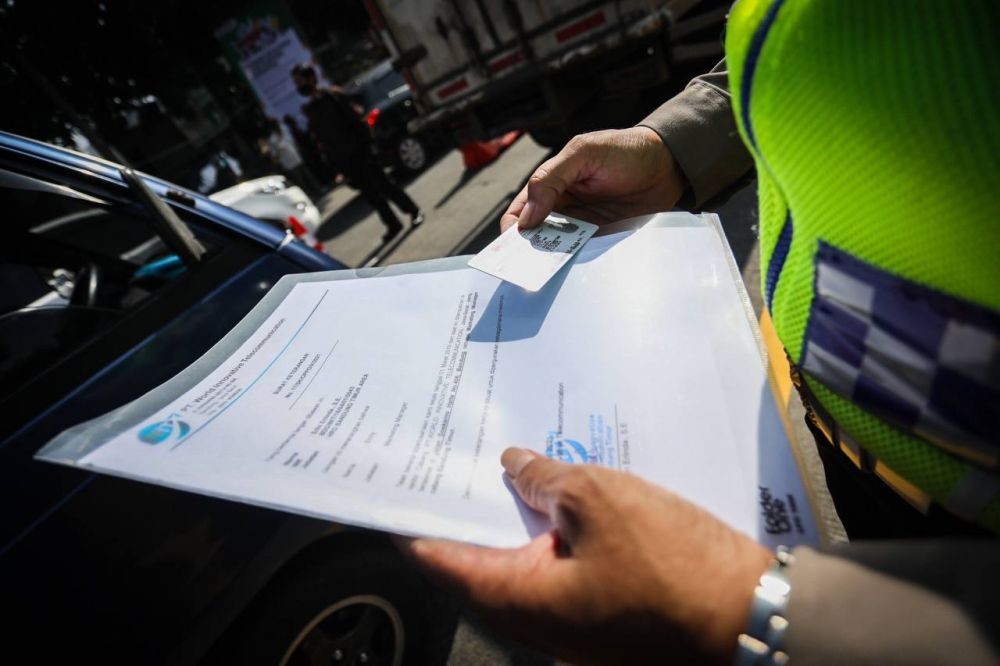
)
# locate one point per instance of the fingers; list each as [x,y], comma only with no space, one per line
[547,186]
[514,459]
[490,577]
[574,497]
[549,182]
[534,477]
[514,210]
[451,563]
[563,492]
[567,203]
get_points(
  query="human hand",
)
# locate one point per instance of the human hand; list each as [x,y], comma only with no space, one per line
[601,177]
[631,574]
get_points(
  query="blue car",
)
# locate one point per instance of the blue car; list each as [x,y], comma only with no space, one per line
[111,282]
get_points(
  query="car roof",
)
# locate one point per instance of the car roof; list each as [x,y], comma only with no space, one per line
[62,155]
[109,172]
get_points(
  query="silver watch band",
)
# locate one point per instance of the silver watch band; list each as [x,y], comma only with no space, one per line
[763,642]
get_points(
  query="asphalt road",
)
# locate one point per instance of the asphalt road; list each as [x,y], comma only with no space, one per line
[461,207]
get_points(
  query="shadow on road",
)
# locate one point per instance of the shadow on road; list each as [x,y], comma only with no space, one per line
[382,251]
[351,213]
[488,226]
[467,175]
[485,230]
[357,209]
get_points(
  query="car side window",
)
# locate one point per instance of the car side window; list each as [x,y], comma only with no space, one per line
[70,266]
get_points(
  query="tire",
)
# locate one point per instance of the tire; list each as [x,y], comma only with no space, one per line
[411,153]
[364,606]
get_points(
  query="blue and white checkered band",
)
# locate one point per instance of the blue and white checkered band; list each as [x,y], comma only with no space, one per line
[922,360]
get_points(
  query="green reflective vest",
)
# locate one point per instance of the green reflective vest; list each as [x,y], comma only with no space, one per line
[875,127]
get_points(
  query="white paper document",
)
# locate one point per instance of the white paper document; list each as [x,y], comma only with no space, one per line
[386,401]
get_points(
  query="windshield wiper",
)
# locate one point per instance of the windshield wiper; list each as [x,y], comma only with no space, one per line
[168,225]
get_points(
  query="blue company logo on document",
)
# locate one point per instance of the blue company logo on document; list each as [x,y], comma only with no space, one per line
[161,431]
[565,449]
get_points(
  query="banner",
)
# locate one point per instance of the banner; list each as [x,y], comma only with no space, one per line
[265,46]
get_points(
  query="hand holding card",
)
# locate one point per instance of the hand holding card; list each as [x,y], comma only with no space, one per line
[530,257]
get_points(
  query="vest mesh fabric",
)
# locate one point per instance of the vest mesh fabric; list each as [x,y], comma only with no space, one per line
[875,126]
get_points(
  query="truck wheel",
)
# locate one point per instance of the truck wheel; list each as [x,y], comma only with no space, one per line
[412,153]
[366,606]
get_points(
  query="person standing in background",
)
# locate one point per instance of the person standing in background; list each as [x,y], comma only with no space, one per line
[345,142]
[286,156]
[319,172]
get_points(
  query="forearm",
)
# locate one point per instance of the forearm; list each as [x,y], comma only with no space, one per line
[698,127]
[895,602]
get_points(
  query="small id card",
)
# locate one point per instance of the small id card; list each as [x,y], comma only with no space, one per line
[529,258]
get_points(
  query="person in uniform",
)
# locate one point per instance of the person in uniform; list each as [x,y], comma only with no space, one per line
[874,131]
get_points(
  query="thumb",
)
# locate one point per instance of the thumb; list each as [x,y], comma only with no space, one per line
[550,180]
[550,487]
[532,476]
[570,495]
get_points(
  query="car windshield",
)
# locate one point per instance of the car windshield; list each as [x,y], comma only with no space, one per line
[70,266]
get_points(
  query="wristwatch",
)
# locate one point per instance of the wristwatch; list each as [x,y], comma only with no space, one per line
[763,642]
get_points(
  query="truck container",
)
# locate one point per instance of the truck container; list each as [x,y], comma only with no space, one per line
[480,68]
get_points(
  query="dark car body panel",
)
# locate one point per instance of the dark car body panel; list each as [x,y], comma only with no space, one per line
[96,567]
[383,89]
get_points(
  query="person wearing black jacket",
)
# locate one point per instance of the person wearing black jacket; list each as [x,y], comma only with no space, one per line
[345,142]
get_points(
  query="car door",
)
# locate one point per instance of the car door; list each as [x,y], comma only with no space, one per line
[95,312]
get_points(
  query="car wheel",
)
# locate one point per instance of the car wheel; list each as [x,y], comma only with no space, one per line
[364,628]
[412,153]
[367,606]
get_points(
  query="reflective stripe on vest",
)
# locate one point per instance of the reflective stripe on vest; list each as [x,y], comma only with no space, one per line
[877,144]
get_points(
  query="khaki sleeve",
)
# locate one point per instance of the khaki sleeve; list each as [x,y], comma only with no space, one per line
[902,602]
[698,127]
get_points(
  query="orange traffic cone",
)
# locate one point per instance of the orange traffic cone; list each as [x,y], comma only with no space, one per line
[479,153]
[507,139]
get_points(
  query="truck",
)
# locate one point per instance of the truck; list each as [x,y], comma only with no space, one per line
[480,68]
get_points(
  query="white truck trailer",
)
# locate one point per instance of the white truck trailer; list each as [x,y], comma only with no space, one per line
[479,68]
